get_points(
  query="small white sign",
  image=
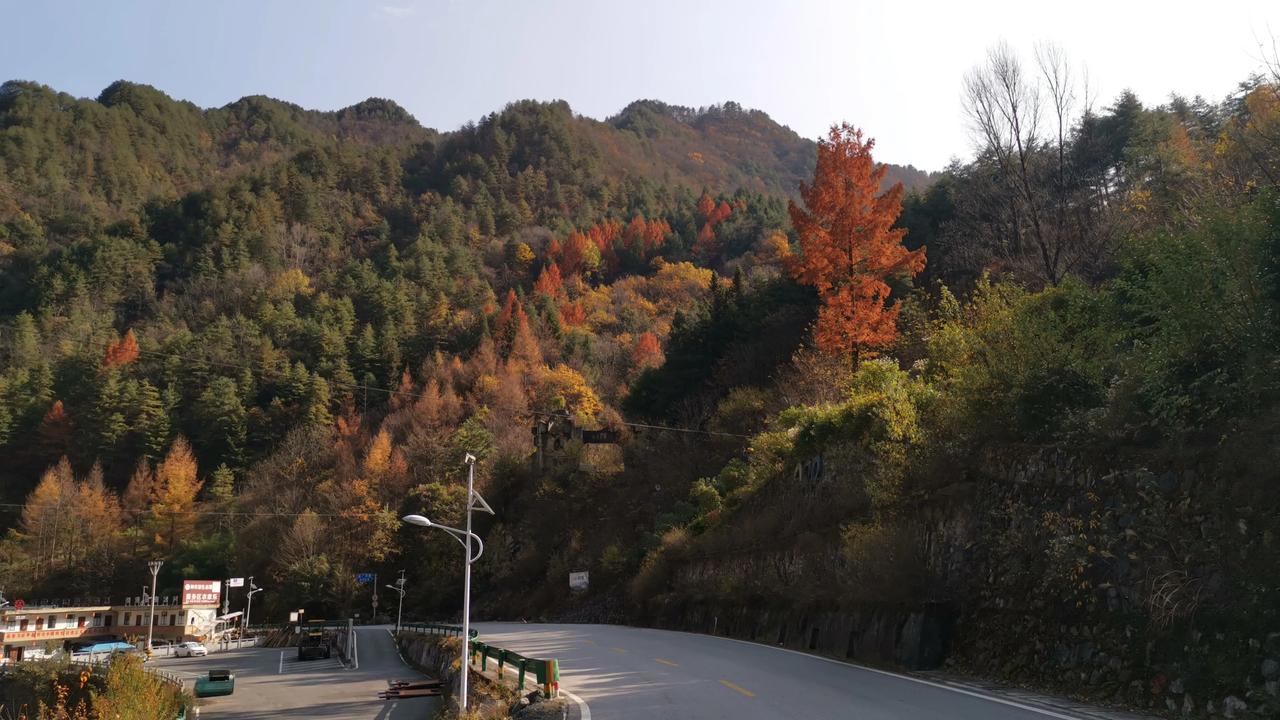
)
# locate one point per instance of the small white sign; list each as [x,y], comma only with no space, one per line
[579,580]
[235,582]
[293,617]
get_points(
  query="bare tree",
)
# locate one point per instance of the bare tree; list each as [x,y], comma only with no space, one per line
[1023,125]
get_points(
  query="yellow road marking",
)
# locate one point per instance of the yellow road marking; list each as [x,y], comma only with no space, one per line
[736,688]
[618,650]
[667,662]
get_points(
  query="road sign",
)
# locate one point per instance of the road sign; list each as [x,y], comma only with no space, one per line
[579,581]
[235,582]
[364,578]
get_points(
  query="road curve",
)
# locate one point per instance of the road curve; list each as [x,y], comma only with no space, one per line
[624,673]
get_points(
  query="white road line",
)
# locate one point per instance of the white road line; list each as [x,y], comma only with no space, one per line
[583,709]
[922,681]
[281,670]
[396,645]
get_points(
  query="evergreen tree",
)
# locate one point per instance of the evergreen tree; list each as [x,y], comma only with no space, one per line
[221,423]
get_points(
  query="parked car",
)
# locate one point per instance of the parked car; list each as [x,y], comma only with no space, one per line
[190,649]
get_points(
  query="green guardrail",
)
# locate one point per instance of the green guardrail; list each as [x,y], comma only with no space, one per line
[547,672]
[437,629]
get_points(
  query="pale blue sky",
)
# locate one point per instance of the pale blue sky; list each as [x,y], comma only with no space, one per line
[892,68]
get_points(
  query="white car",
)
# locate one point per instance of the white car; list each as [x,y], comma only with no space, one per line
[190,649]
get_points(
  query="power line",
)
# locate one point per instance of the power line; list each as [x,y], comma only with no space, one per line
[154,511]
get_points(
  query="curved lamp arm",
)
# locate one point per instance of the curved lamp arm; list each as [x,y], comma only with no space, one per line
[459,535]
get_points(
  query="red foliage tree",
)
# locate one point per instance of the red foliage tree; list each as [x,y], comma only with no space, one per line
[849,247]
[573,254]
[123,352]
[55,429]
[574,314]
[720,214]
[502,327]
[706,205]
[647,351]
[549,282]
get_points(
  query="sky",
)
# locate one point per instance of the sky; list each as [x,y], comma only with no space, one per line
[894,69]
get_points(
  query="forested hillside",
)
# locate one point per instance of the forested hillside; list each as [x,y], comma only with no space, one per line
[1017,414]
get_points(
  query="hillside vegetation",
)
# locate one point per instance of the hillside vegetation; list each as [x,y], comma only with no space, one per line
[1018,418]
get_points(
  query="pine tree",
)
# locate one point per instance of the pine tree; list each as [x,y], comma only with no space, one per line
[151,421]
[317,408]
[109,424]
[221,422]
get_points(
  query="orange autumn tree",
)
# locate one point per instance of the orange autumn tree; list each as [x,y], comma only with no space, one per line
[123,352]
[849,247]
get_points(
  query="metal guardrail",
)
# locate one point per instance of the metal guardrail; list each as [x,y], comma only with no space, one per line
[98,664]
[546,672]
[437,629]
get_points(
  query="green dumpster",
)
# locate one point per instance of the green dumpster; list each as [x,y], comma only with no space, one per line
[217,682]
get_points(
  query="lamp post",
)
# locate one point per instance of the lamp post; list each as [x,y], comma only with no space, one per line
[399,587]
[249,604]
[154,566]
[474,502]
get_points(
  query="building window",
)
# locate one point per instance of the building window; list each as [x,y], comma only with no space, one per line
[22,625]
[53,622]
[126,618]
[39,623]
[106,620]
[80,621]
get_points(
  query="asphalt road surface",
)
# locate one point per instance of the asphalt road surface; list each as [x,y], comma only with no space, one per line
[273,683]
[621,673]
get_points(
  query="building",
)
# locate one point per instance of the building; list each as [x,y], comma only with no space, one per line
[35,630]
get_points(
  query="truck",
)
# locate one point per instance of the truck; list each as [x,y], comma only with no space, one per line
[315,642]
[217,682]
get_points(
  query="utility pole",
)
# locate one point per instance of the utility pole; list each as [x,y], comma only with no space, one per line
[470,460]
[399,588]
[249,606]
[474,547]
[154,566]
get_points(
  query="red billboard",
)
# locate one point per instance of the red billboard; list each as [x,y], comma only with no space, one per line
[201,592]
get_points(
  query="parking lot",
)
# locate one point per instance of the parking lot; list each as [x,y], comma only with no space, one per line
[273,683]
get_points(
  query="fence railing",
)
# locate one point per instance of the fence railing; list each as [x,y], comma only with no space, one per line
[545,672]
[96,664]
[437,629]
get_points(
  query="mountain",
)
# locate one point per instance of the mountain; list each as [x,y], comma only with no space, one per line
[134,142]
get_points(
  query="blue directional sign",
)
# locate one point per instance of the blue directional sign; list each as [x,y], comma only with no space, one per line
[364,578]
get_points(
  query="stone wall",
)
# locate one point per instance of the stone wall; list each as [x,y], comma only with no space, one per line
[1108,580]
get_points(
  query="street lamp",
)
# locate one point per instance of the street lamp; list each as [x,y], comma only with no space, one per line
[249,605]
[399,587]
[154,566]
[474,502]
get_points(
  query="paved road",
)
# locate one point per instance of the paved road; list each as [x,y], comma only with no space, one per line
[626,673]
[273,683]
